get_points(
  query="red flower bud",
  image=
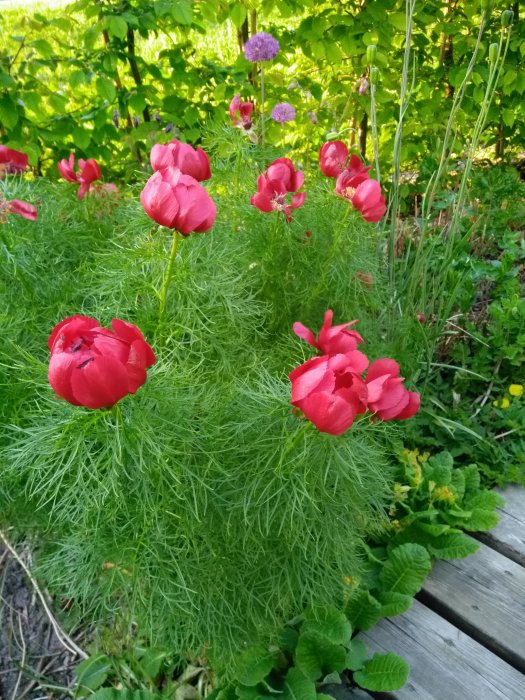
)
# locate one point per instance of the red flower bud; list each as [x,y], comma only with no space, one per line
[178,201]
[96,367]
[188,160]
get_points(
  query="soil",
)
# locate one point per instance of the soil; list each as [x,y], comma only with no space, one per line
[33,662]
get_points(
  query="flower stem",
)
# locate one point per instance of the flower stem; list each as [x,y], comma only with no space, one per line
[167,278]
[262,104]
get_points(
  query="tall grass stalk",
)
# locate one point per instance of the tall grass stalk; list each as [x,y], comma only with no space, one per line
[404,100]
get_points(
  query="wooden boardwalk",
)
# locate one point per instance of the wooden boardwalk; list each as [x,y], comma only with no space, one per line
[464,637]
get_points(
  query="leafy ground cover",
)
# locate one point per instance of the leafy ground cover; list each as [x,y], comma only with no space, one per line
[235,479]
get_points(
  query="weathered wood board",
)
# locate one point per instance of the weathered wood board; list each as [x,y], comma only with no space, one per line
[484,595]
[508,537]
[446,664]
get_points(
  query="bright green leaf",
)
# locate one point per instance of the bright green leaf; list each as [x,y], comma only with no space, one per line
[106,88]
[182,12]
[383,672]
[253,665]
[117,26]
[406,568]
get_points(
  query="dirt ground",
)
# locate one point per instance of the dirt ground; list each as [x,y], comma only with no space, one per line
[34,662]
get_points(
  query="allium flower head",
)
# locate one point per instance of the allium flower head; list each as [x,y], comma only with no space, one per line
[261,47]
[283,112]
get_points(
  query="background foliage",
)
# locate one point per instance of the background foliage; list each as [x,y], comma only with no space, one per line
[113,77]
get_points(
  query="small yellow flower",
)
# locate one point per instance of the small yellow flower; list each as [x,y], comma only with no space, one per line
[516,389]
[504,403]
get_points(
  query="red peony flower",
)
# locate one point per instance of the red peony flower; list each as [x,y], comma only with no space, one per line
[178,201]
[88,173]
[329,390]
[387,397]
[275,184]
[95,367]
[333,160]
[331,340]
[188,160]
[12,161]
[364,194]
[241,112]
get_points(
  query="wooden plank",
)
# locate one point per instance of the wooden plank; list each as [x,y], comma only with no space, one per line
[508,537]
[445,663]
[483,595]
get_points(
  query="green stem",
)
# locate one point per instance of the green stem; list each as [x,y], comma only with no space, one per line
[373,117]
[330,257]
[167,278]
[292,441]
[262,104]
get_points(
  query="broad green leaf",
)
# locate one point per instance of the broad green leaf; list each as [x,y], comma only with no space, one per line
[76,78]
[487,500]
[482,520]
[363,610]
[123,694]
[454,545]
[356,655]
[151,662]
[8,112]
[472,480]
[58,103]
[91,673]
[106,88]
[254,664]
[117,26]
[43,47]
[288,639]
[434,529]
[383,672]
[237,14]
[333,52]
[328,622]
[182,12]
[397,20]
[6,80]
[81,137]
[316,655]
[246,693]
[137,102]
[298,687]
[405,569]
[394,603]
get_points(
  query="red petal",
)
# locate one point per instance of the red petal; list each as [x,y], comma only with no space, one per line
[100,383]
[305,333]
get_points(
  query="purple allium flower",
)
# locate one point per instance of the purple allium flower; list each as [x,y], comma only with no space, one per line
[261,47]
[283,112]
[168,128]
